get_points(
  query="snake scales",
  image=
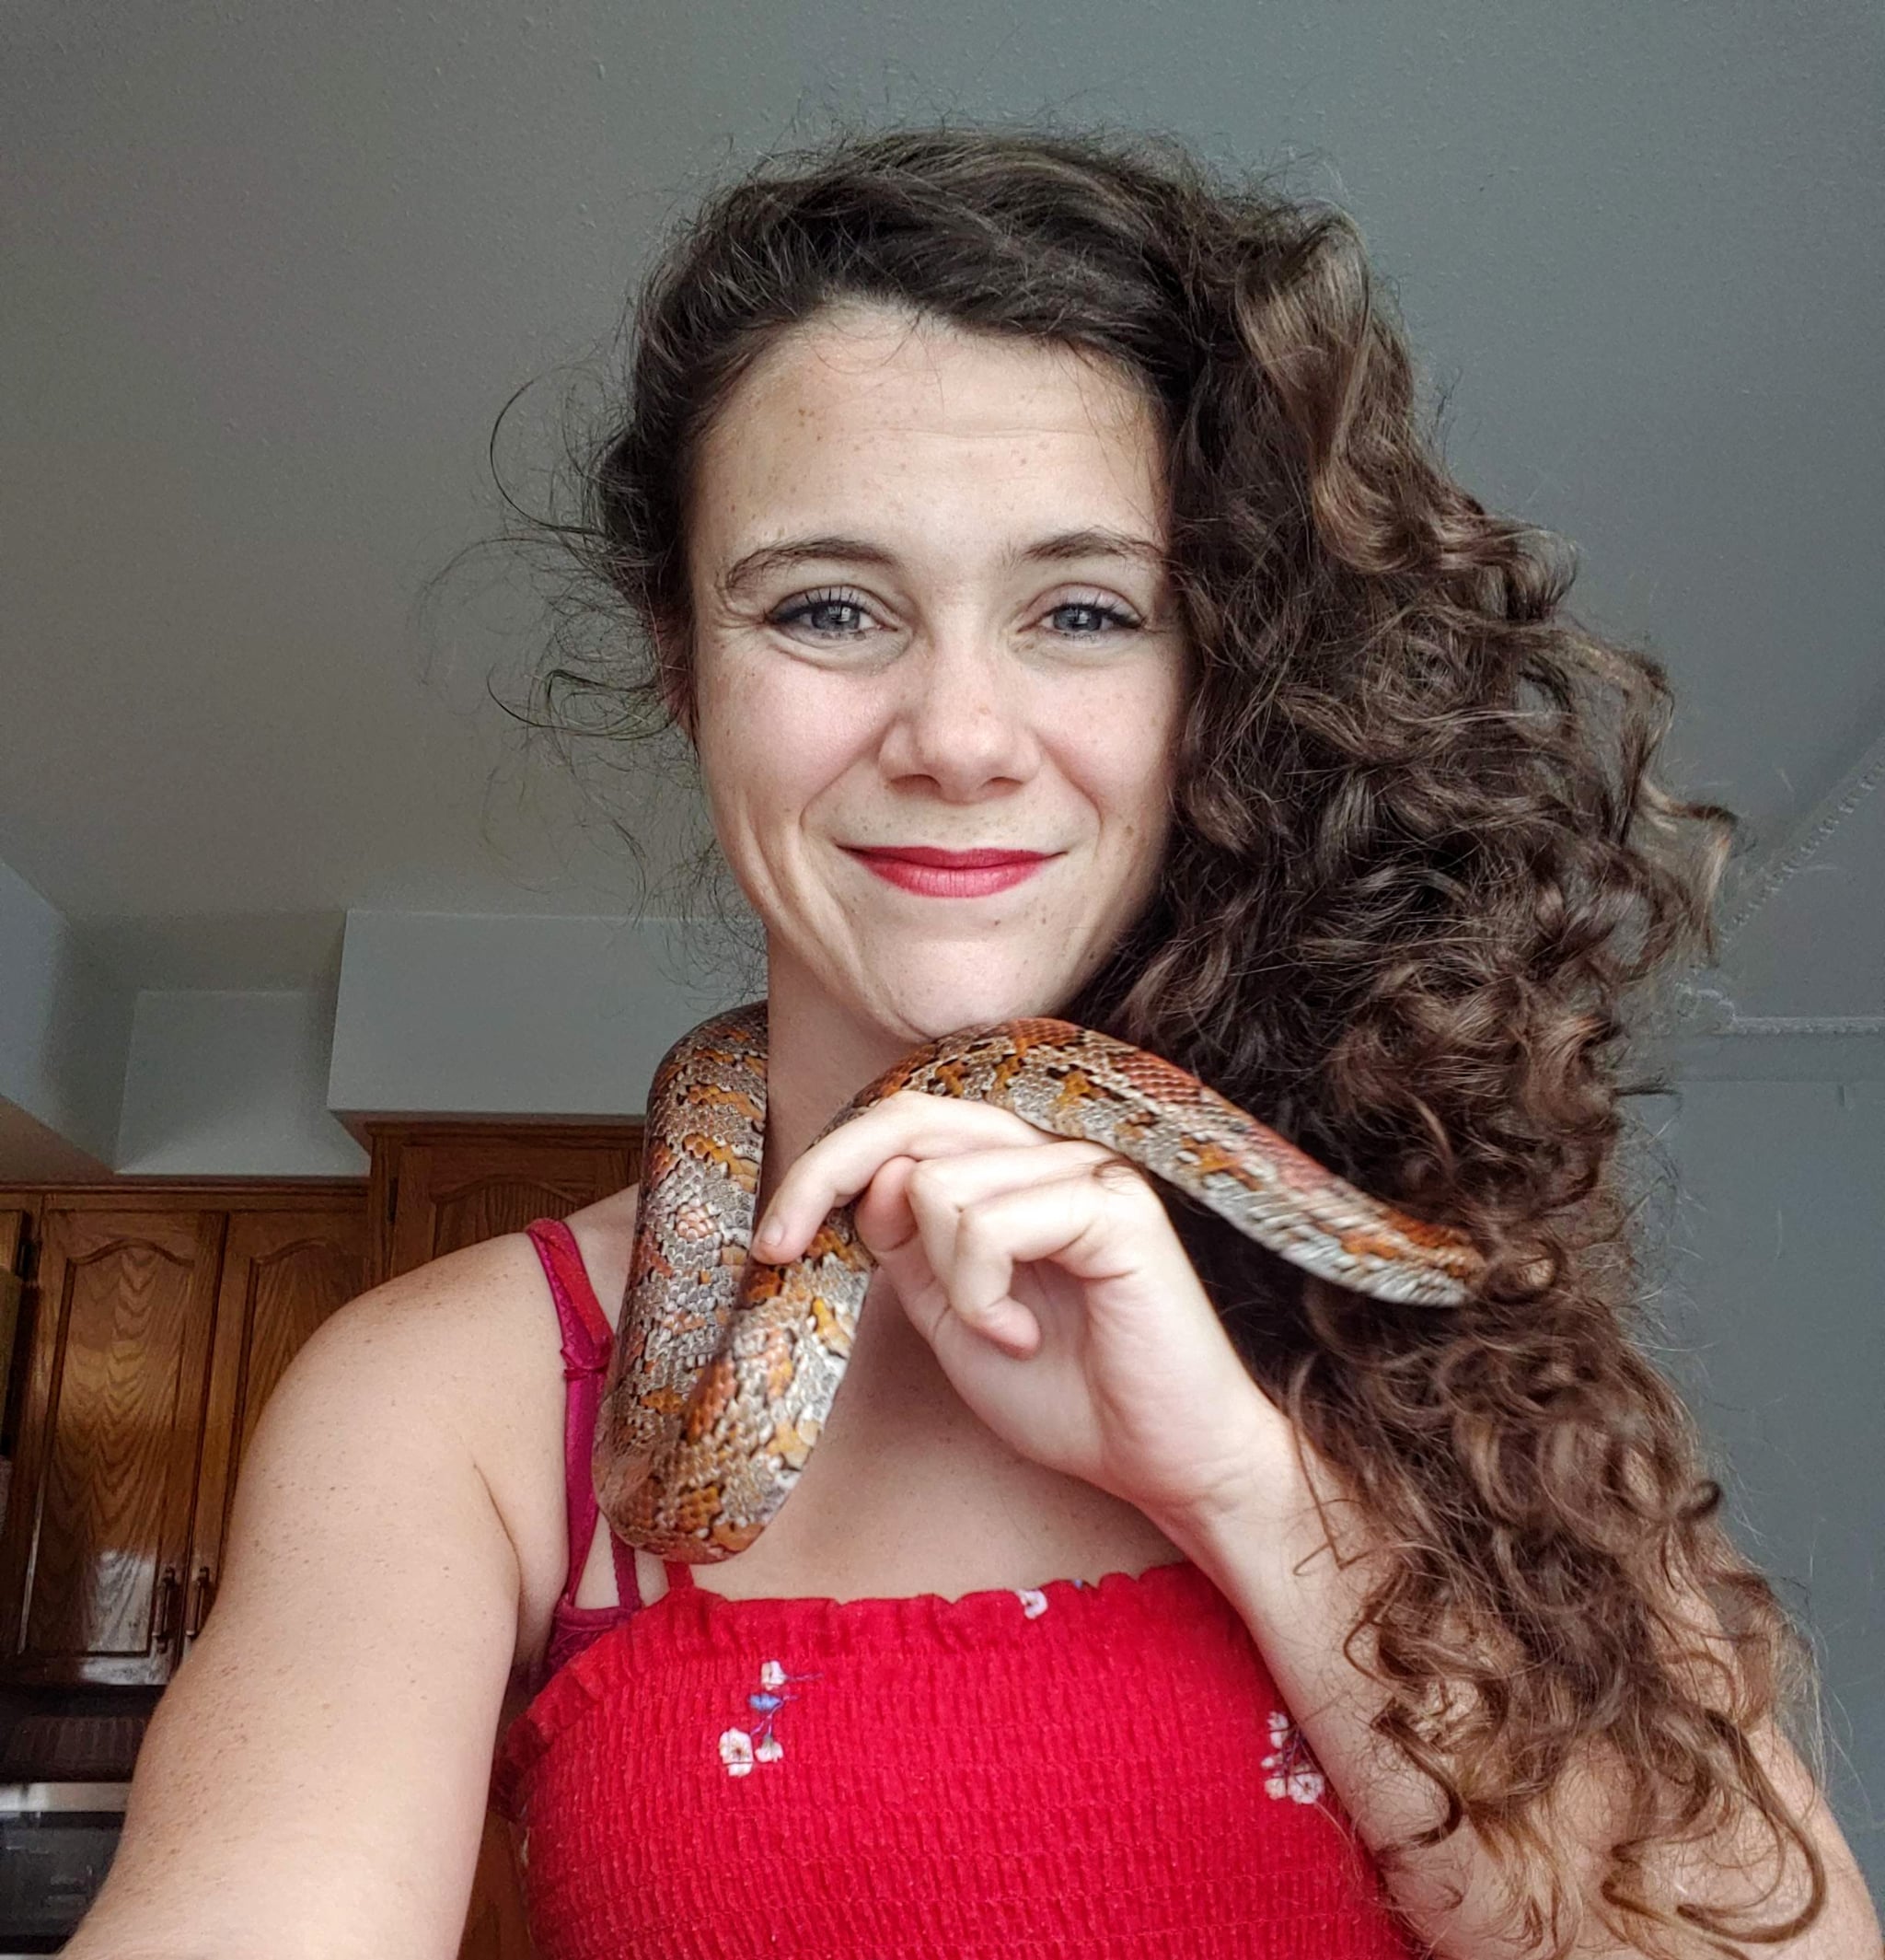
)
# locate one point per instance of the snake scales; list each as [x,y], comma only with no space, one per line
[723,1371]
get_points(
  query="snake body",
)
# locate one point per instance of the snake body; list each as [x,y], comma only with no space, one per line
[723,1370]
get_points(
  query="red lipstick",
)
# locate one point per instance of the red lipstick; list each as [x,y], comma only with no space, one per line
[941,874]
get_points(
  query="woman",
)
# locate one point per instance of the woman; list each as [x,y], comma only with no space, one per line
[1042,496]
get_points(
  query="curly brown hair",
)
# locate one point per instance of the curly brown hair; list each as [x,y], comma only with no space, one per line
[1417,863]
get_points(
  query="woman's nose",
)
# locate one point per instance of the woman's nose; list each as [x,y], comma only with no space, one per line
[959,714]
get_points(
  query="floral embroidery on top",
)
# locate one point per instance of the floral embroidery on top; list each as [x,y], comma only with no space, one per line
[741,1748]
[1032,1602]
[1293,1771]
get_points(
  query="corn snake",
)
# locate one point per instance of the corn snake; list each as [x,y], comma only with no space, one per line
[723,1370]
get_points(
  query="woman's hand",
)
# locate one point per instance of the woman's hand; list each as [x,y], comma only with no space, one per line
[1060,1302]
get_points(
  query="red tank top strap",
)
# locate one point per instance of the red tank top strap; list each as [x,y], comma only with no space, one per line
[586,1342]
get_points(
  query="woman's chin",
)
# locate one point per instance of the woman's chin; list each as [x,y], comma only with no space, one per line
[928,1012]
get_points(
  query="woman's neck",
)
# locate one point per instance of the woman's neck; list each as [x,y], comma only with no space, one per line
[818,1055]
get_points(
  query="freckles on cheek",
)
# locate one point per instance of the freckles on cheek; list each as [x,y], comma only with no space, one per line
[1130,771]
[803,714]
[787,740]
[754,710]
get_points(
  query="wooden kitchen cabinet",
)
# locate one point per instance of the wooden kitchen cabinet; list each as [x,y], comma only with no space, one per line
[159,1322]
[161,1317]
[436,1187]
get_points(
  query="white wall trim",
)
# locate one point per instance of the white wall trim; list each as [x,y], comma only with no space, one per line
[1872,1025]
[1777,1048]
[1808,839]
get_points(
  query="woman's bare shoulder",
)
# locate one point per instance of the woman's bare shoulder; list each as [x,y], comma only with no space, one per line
[479,1323]
[482,1316]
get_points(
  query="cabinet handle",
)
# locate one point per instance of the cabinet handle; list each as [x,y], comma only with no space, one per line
[202,1594]
[167,1606]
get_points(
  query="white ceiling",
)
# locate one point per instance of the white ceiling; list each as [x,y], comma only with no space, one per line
[272,271]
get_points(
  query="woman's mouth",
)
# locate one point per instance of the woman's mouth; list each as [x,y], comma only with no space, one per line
[939,874]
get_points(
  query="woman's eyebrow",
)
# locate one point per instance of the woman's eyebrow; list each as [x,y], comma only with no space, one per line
[1091,541]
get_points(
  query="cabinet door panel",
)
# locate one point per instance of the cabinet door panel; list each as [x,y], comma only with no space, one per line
[16,1223]
[111,1440]
[454,1193]
[283,1272]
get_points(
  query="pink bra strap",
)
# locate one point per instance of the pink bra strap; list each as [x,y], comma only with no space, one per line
[586,1341]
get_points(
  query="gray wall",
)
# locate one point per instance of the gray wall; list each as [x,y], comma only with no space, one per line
[1772,1257]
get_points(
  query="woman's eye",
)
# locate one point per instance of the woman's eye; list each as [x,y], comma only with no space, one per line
[1096,609]
[815,609]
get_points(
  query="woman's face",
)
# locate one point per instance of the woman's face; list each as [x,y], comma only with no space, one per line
[931,613]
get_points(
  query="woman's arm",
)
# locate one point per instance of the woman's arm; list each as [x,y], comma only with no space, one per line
[1266,1552]
[314,1779]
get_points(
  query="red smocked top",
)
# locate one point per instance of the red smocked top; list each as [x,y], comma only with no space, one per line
[1090,1771]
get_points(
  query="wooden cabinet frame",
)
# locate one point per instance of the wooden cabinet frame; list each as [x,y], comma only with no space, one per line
[133,1412]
